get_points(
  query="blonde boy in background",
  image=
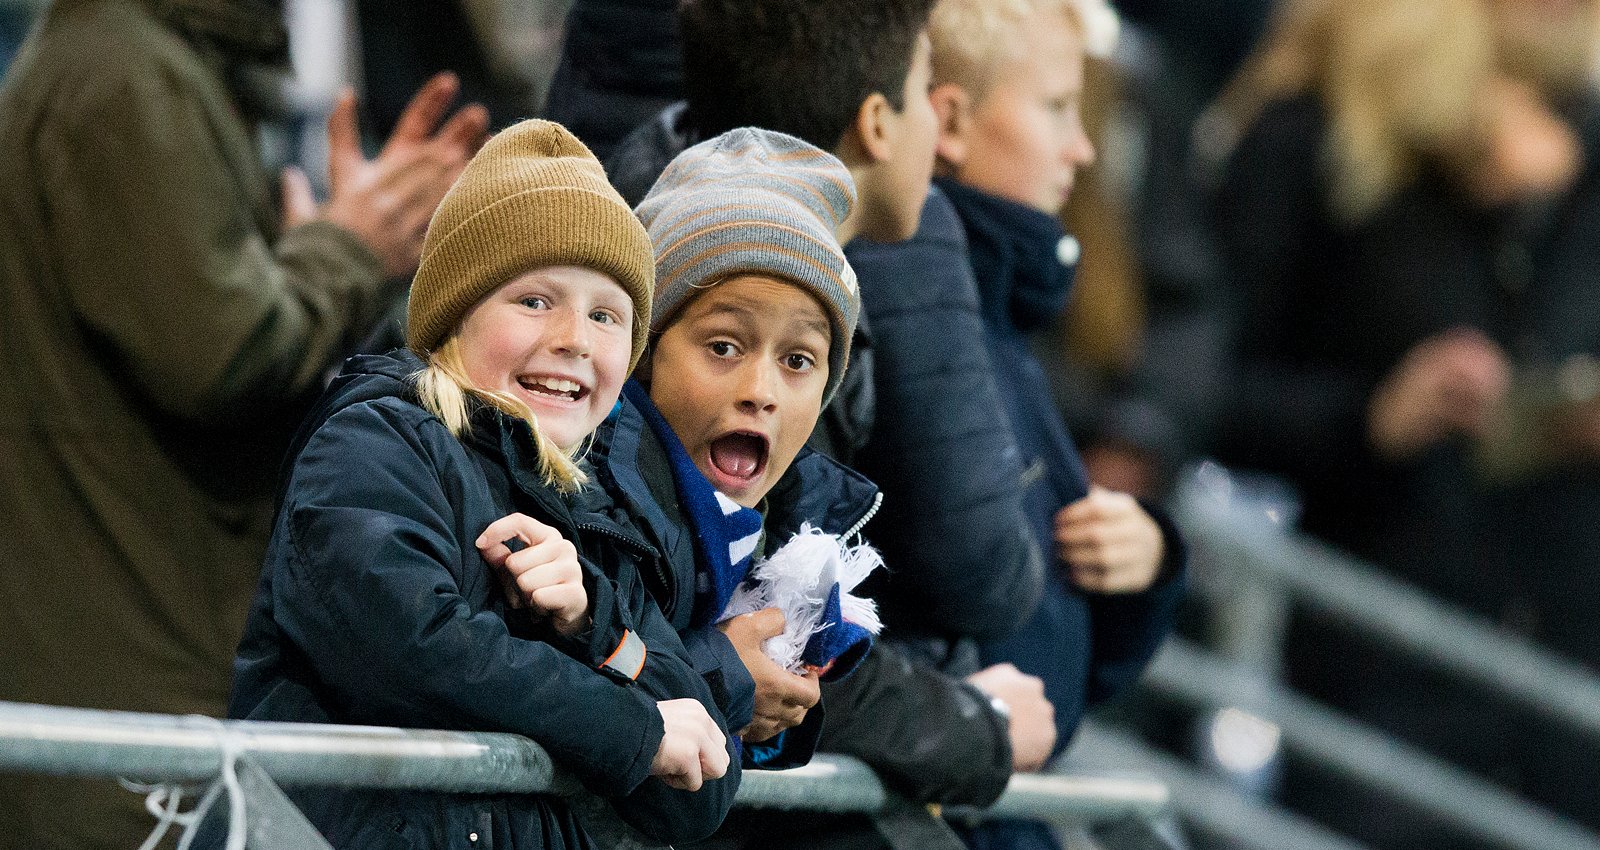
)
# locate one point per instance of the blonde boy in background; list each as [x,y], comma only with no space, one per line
[1007,81]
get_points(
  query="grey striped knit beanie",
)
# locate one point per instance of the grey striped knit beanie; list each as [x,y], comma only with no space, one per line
[753,201]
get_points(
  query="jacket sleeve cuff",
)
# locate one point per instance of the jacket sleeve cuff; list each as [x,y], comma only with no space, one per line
[339,245]
[611,645]
[651,729]
[792,747]
[1175,550]
[986,786]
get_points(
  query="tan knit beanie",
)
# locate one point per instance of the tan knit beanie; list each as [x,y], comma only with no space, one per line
[533,197]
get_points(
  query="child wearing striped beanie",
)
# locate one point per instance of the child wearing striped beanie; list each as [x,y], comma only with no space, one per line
[751,324]
[755,202]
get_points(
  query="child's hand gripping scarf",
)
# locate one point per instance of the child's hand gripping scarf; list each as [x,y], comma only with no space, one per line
[827,629]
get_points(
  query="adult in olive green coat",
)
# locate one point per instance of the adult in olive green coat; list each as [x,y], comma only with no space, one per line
[164,322]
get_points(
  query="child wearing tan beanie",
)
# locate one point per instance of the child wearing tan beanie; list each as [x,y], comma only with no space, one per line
[425,566]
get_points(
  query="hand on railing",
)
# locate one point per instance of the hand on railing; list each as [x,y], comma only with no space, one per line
[1032,718]
[692,749]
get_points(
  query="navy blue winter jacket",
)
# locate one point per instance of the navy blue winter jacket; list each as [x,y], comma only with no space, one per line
[632,467]
[375,607]
[1086,647]
[962,560]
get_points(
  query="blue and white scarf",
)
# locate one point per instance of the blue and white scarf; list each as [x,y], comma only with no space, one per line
[725,534]
[827,628]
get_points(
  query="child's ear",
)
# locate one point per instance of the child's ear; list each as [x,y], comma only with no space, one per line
[872,133]
[952,104]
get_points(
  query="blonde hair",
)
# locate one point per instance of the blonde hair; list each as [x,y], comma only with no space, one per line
[973,38]
[444,390]
[1401,81]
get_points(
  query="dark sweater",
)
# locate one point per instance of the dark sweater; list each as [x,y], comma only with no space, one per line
[1332,308]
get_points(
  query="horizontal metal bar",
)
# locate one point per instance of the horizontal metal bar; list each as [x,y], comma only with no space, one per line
[1454,795]
[84,742]
[151,747]
[1407,618]
[827,784]
[1205,801]
[1094,798]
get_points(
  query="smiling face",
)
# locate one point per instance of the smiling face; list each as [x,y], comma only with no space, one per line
[557,338]
[1024,139]
[739,376]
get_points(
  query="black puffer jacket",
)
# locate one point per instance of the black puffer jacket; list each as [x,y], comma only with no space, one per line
[375,608]
[953,529]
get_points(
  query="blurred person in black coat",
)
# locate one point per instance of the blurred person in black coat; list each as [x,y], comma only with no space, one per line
[1411,218]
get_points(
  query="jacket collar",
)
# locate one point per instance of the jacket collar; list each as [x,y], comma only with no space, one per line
[1018,256]
[824,492]
[815,488]
[365,377]
[506,440]
[631,465]
[635,478]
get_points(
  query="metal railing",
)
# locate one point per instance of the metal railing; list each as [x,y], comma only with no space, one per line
[1406,618]
[168,748]
[1401,772]
[1209,805]
[1266,569]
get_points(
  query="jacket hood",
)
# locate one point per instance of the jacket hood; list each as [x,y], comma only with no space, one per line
[365,377]
[247,29]
[370,377]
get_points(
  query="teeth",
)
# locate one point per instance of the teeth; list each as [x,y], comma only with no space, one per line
[557,384]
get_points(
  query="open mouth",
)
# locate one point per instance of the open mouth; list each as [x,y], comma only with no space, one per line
[741,455]
[554,388]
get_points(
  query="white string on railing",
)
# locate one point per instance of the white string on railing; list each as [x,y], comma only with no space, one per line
[163,800]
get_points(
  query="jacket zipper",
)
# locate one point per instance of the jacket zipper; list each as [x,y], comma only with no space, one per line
[639,546]
[650,555]
[877,502]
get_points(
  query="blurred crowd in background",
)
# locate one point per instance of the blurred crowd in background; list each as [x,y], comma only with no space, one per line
[1354,244]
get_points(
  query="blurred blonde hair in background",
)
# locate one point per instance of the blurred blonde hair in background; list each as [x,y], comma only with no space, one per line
[1401,81]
